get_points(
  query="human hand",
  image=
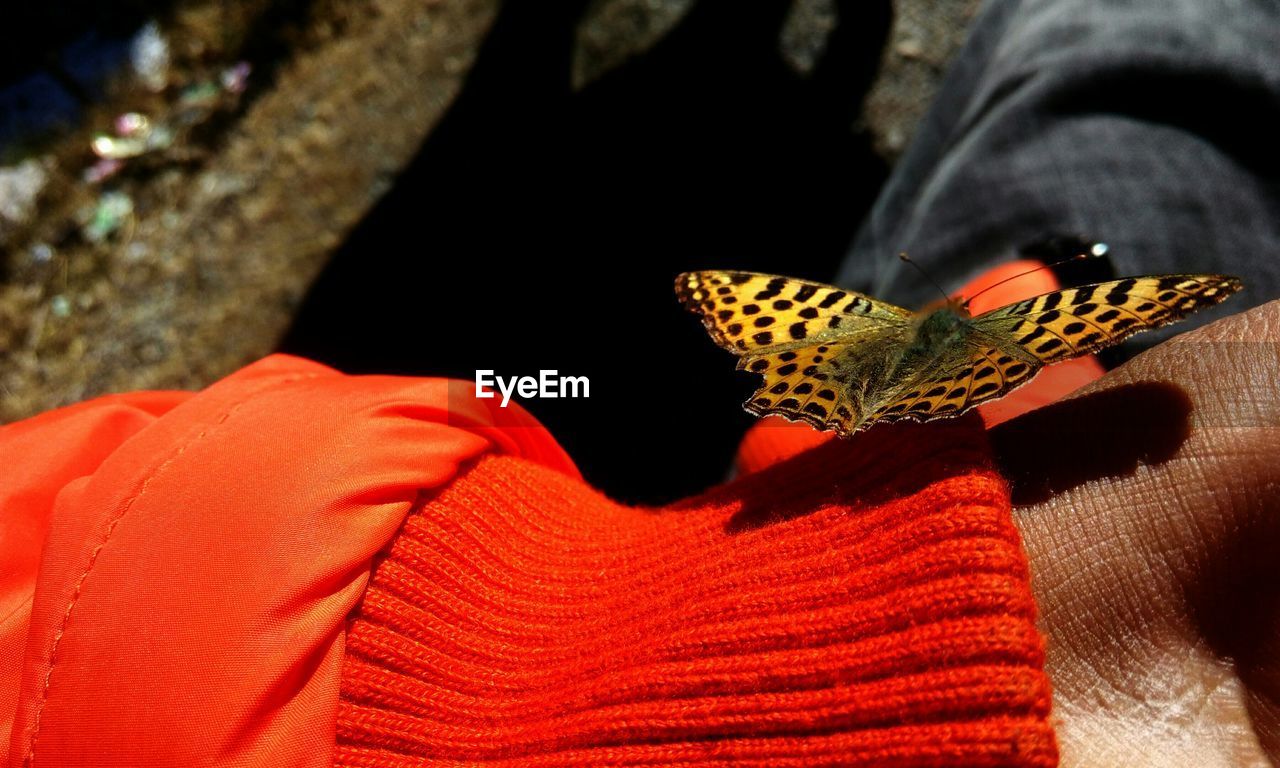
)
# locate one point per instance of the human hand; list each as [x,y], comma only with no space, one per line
[1149,505]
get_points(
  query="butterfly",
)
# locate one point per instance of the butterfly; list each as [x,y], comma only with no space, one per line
[842,361]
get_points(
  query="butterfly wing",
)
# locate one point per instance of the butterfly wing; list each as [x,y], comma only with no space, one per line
[833,358]
[807,339]
[1076,321]
[812,385]
[966,375]
[1005,348]
[747,313]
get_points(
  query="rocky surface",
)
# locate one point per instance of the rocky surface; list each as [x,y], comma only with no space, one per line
[924,37]
[221,238]
[173,267]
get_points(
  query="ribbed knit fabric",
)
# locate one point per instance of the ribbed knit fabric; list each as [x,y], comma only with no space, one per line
[865,603]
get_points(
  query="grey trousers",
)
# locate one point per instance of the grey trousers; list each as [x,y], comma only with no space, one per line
[1150,125]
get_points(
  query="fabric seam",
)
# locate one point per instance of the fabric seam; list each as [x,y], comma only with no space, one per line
[29,758]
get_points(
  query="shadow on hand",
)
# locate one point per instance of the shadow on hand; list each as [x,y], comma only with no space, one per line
[542,228]
[1094,436]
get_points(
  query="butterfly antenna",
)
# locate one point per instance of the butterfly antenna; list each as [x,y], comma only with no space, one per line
[903,255]
[1098,249]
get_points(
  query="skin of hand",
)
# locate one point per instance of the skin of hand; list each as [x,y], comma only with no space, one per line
[1149,505]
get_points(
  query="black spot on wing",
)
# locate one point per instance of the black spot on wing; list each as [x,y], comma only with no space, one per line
[1083,294]
[771,289]
[1036,334]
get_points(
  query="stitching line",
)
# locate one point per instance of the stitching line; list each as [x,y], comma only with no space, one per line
[30,757]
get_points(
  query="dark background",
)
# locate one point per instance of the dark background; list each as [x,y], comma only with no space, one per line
[439,188]
[542,228]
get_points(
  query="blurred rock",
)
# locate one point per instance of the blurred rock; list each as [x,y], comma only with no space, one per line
[925,35]
[232,238]
[20,188]
[805,32]
[612,31]
[149,55]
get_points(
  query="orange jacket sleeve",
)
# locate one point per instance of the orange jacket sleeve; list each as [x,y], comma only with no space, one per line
[178,570]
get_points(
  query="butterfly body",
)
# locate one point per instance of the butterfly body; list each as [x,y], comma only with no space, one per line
[842,361]
[941,328]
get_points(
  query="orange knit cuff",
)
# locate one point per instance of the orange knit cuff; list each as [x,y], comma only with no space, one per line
[864,603]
